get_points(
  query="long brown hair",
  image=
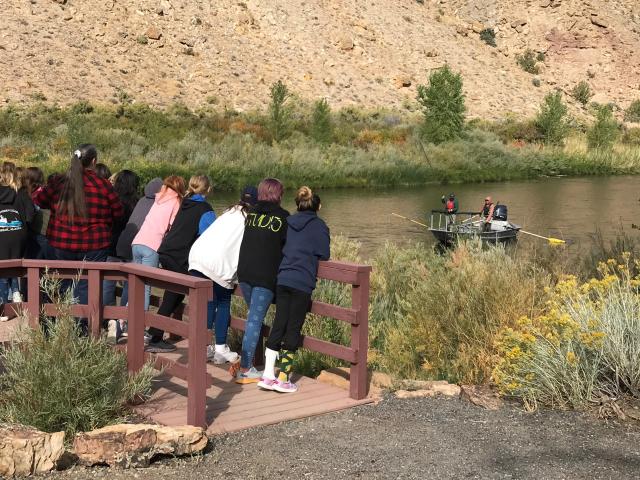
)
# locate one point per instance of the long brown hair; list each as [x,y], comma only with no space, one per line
[72,200]
[175,183]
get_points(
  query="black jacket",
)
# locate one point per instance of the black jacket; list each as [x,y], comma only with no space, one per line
[184,232]
[13,225]
[264,236]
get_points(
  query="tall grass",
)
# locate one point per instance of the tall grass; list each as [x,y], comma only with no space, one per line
[376,148]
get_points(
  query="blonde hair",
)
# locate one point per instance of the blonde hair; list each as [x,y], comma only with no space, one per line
[307,200]
[199,184]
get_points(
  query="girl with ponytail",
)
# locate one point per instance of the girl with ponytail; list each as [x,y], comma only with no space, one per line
[83,208]
[307,243]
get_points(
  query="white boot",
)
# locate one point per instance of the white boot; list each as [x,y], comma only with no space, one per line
[270,358]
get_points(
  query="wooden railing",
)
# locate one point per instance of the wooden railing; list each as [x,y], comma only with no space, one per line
[198,292]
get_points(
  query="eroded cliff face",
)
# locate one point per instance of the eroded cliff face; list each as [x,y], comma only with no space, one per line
[365,53]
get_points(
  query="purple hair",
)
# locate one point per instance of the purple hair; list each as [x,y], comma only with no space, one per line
[270,190]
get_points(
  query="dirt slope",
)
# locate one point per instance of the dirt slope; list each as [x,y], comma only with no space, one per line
[366,53]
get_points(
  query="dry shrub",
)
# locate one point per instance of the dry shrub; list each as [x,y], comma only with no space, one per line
[446,310]
[368,137]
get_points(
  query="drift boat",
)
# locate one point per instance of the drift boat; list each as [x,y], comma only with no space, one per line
[448,228]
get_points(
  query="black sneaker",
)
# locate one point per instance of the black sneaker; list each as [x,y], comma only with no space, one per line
[160,347]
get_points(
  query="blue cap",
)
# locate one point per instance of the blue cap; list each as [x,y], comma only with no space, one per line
[249,195]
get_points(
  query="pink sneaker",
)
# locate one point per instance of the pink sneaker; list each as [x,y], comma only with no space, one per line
[267,383]
[285,387]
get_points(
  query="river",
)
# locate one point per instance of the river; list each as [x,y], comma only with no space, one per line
[567,208]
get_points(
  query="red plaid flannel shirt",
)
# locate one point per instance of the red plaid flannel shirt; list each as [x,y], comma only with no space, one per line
[83,234]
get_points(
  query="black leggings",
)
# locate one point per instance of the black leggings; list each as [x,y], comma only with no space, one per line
[170,300]
[292,306]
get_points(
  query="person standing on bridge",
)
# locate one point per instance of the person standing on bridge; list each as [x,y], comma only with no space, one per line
[308,241]
[84,208]
[265,234]
[193,218]
[215,256]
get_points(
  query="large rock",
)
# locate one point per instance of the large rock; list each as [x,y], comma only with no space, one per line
[481,395]
[128,445]
[25,451]
[419,389]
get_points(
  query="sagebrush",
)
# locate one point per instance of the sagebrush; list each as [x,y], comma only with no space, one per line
[56,379]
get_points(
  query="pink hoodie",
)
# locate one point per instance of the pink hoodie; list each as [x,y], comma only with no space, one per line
[158,220]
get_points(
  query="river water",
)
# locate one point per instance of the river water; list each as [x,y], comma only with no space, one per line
[567,208]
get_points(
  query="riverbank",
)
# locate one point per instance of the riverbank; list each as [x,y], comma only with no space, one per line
[412,439]
[367,149]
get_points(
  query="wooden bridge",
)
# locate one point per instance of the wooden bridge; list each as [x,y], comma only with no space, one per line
[189,390]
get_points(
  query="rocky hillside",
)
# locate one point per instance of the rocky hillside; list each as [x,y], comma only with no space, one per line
[354,52]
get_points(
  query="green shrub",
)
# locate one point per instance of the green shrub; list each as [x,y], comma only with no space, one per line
[604,131]
[582,92]
[442,103]
[81,108]
[511,129]
[527,61]
[551,120]
[321,123]
[142,40]
[279,112]
[632,113]
[54,379]
[488,36]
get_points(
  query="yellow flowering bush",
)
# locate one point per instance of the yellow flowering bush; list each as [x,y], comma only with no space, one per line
[586,342]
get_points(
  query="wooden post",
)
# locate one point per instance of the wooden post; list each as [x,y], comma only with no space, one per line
[358,380]
[33,303]
[136,318]
[197,373]
[94,302]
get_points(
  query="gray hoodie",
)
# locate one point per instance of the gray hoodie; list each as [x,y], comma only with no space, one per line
[123,249]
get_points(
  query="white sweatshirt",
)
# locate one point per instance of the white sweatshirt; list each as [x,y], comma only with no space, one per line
[215,253]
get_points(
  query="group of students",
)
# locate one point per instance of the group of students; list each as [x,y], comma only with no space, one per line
[88,214]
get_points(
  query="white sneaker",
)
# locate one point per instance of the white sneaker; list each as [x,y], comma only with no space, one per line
[222,354]
[4,319]
[16,297]
[112,332]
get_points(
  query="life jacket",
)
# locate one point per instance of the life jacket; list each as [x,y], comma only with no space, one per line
[450,205]
[487,209]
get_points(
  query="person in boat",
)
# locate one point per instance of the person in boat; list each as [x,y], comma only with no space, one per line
[450,203]
[486,214]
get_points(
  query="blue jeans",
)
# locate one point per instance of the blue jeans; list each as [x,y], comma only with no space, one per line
[4,290]
[220,312]
[14,285]
[258,299]
[144,255]
[81,289]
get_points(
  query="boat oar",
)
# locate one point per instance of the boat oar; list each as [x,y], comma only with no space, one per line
[551,240]
[411,220]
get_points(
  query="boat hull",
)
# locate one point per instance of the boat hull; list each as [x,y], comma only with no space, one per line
[447,237]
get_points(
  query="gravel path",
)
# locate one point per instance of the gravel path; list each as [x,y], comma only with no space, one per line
[413,439]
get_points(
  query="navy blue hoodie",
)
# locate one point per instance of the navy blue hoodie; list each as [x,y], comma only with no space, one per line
[307,242]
